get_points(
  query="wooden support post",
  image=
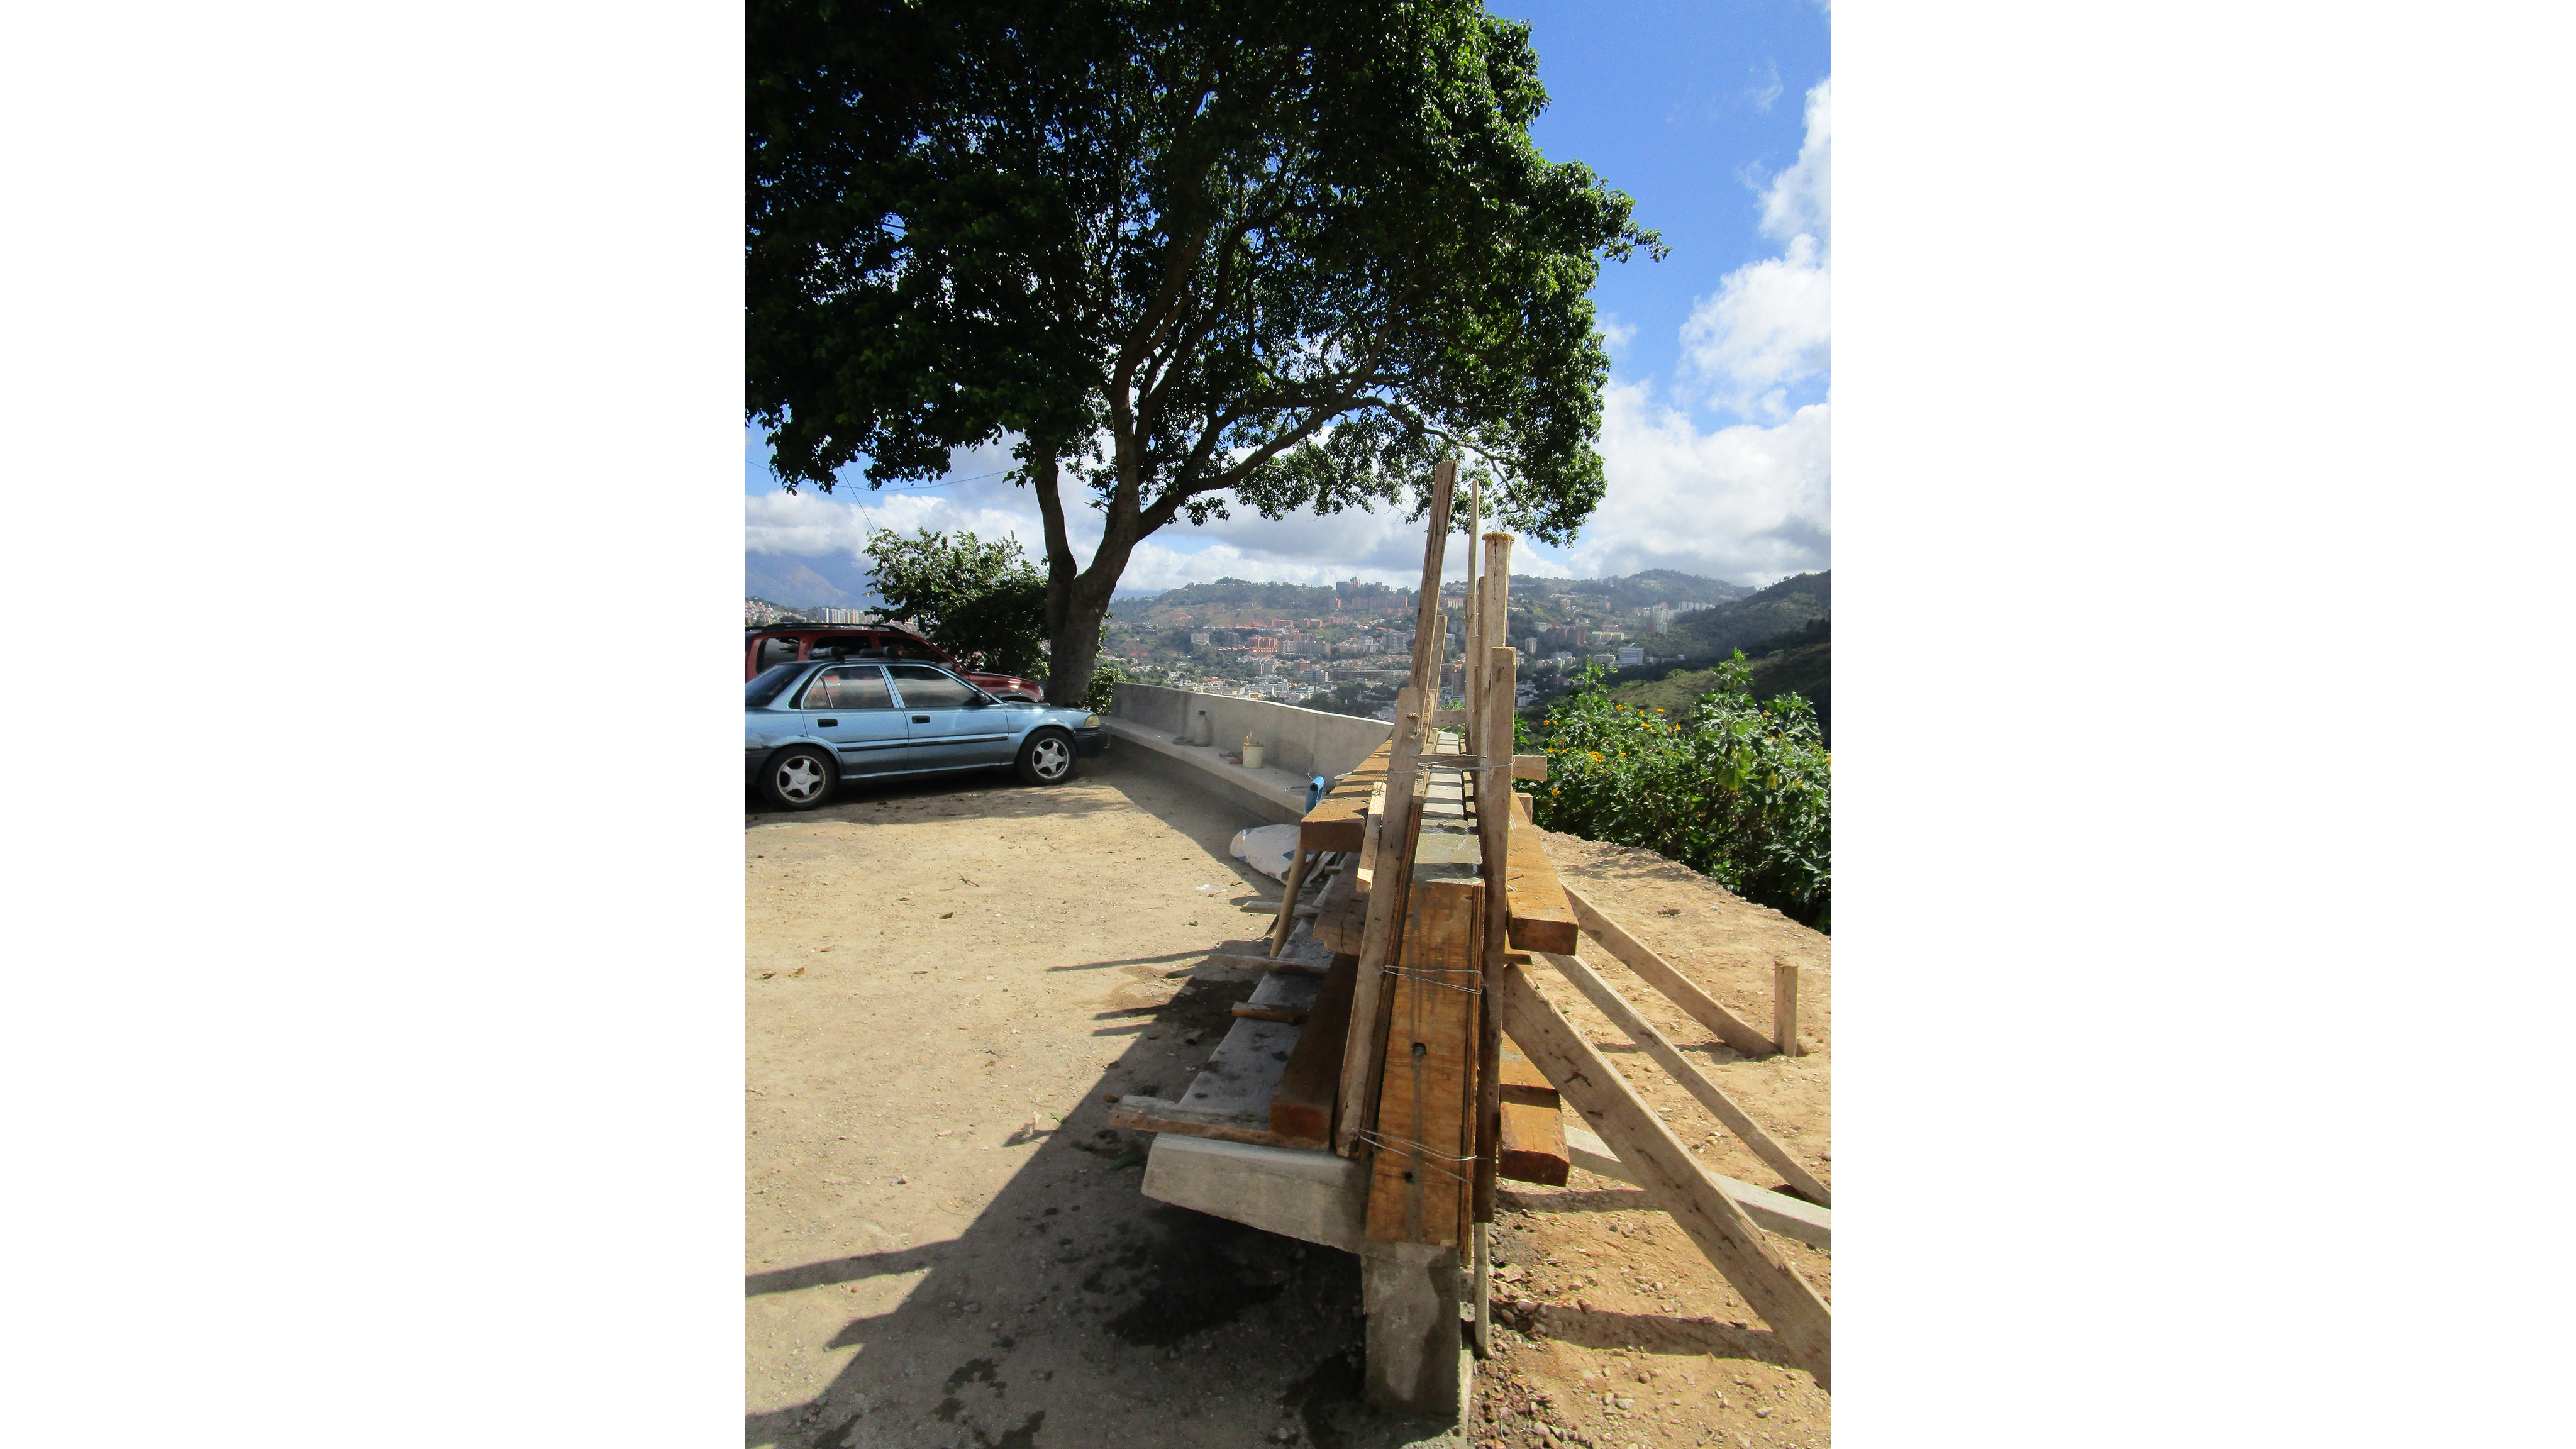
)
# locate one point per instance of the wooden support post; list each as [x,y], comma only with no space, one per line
[1391,852]
[1668,1173]
[1484,1290]
[1784,1006]
[1297,861]
[1418,1189]
[1659,974]
[1667,1056]
[1391,846]
[1492,742]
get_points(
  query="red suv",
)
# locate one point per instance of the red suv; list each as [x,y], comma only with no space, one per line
[763,646]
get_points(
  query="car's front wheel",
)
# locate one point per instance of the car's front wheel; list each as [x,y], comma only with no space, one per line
[1046,758]
[799,779]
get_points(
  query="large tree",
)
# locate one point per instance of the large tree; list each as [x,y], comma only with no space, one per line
[1188,253]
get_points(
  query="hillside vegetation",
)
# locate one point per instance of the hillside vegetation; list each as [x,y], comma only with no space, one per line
[1654,586]
[1245,594]
[1800,662]
[1741,790]
[1785,606]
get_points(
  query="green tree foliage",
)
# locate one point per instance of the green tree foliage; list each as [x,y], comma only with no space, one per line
[1192,253]
[982,602]
[1101,695]
[1742,792]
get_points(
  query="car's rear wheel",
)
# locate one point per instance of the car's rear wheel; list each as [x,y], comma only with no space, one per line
[1046,758]
[799,779]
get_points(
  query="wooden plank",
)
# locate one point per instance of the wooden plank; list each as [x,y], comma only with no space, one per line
[1659,974]
[1301,1106]
[1693,1080]
[1240,1075]
[1533,1145]
[1282,996]
[1774,1212]
[1449,718]
[1671,1176]
[1152,1114]
[1235,961]
[1529,767]
[1335,822]
[1523,1082]
[1413,706]
[1541,919]
[1366,868]
[1493,664]
[1341,914]
[1419,1173]
[1378,937]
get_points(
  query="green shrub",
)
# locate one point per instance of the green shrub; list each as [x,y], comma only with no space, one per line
[1106,675]
[1742,793]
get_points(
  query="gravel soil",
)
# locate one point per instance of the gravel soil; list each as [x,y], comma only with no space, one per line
[944,1241]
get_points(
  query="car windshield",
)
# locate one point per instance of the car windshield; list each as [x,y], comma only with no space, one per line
[762,687]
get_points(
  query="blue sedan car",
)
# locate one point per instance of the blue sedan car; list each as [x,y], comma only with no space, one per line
[808,725]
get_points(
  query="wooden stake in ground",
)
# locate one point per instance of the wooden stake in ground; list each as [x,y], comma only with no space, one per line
[1784,1006]
[1668,1173]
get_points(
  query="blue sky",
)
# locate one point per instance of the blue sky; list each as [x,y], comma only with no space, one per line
[1717,440]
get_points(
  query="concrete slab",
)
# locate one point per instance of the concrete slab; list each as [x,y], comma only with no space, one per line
[1273,793]
[1312,1196]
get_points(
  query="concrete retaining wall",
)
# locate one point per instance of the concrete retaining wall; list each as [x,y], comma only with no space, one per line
[1306,741]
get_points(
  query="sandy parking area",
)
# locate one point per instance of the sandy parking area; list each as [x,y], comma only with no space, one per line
[945,1244]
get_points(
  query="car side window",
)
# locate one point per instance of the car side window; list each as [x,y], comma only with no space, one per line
[926,688]
[848,686]
[776,651]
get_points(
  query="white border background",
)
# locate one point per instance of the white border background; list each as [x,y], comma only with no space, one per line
[372,433]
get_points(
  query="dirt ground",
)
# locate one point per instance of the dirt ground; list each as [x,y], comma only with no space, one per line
[945,1243]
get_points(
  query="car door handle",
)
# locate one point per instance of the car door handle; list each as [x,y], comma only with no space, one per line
[921,719]
[827,721]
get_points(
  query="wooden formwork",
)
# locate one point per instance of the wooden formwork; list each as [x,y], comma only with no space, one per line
[1398,1029]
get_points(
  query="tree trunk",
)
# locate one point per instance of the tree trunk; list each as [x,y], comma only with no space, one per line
[1073,627]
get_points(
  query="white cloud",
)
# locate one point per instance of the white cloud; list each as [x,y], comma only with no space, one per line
[1301,548]
[1770,324]
[1800,200]
[1748,503]
[1768,87]
[1615,333]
